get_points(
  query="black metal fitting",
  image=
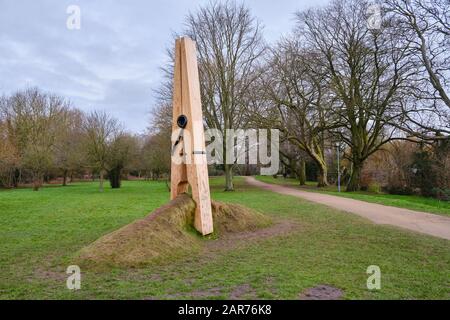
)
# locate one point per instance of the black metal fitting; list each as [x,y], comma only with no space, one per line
[182,121]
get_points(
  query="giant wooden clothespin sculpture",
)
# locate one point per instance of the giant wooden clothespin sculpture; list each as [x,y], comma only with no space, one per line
[189,163]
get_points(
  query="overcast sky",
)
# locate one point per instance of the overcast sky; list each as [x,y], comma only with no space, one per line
[112,62]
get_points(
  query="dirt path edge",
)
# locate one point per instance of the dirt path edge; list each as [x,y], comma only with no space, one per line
[427,223]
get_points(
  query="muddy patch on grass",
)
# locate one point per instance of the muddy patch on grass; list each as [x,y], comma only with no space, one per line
[233,240]
[243,291]
[322,292]
[138,276]
[196,294]
[240,292]
[53,275]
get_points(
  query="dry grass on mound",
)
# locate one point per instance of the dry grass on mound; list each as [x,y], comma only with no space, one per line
[230,218]
[166,234]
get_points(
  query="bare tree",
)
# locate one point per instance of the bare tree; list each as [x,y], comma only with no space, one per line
[33,120]
[296,85]
[294,161]
[155,154]
[161,118]
[121,150]
[9,155]
[424,28]
[229,44]
[367,72]
[100,130]
[69,152]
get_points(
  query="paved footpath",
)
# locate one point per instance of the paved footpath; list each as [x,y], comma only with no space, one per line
[432,224]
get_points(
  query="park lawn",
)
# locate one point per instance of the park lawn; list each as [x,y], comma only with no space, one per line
[412,202]
[40,232]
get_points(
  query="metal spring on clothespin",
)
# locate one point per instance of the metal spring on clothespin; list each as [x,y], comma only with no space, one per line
[182,122]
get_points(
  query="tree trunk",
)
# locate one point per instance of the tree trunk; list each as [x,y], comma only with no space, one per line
[227,162]
[16,178]
[65,178]
[322,176]
[37,181]
[354,184]
[101,181]
[302,172]
[247,170]
[114,177]
[229,177]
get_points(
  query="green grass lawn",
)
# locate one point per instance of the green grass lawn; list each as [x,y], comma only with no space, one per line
[412,202]
[41,231]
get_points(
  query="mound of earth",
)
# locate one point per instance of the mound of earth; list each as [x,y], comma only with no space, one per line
[166,234]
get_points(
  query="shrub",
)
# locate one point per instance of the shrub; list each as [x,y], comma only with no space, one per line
[400,190]
[374,187]
[441,194]
[424,177]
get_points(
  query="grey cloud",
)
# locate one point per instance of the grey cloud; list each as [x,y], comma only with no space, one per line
[113,62]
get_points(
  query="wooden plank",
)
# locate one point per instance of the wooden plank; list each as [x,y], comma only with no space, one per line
[178,174]
[187,101]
